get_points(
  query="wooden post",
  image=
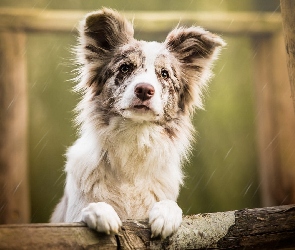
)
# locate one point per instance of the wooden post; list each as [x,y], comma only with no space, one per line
[264,123]
[14,202]
[284,191]
[288,18]
[275,121]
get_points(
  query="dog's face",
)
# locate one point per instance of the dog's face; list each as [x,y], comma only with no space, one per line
[144,84]
[144,81]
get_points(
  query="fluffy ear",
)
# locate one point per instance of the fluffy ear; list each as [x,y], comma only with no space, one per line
[101,33]
[195,49]
[104,30]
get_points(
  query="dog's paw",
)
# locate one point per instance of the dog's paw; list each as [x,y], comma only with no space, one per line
[101,217]
[165,218]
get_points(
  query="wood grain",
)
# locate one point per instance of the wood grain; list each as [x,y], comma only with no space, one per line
[261,228]
[275,121]
[237,23]
[288,19]
[14,200]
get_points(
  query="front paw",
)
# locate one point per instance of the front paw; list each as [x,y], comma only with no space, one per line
[165,218]
[101,217]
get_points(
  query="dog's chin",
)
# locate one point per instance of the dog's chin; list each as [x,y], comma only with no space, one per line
[140,113]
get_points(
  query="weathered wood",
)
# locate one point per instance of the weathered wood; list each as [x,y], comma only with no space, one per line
[275,121]
[53,236]
[288,19]
[284,122]
[34,20]
[14,202]
[265,121]
[262,228]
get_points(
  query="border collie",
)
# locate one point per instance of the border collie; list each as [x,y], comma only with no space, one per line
[135,123]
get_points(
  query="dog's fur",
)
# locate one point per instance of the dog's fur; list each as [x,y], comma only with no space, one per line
[135,127]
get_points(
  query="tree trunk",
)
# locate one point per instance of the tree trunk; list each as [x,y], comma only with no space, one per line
[14,202]
[288,10]
[262,228]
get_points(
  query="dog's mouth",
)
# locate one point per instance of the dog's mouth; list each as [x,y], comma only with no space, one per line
[141,107]
[140,112]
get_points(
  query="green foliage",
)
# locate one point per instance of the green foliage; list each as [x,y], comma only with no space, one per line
[51,102]
[222,174]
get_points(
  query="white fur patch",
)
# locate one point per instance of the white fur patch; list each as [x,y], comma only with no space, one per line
[102,217]
[165,218]
[151,51]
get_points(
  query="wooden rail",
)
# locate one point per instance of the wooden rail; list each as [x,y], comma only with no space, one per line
[236,23]
[263,228]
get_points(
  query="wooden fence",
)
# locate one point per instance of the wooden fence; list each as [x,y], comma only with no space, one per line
[275,119]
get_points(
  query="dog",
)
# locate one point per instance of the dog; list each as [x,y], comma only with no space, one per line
[134,119]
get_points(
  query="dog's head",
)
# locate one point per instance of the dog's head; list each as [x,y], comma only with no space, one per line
[143,80]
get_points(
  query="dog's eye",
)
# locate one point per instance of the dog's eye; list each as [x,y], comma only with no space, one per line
[125,68]
[164,74]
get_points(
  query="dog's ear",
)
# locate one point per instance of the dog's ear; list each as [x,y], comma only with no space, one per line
[195,49]
[100,34]
[104,30]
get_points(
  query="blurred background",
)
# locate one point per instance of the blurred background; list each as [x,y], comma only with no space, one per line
[223,173]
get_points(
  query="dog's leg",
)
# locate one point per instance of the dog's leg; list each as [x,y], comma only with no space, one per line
[59,214]
[102,217]
[165,218]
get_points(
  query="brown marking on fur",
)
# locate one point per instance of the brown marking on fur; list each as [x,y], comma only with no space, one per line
[181,102]
[133,57]
[105,74]
[102,33]
[171,85]
[192,43]
[121,76]
[193,48]
[108,28]
[89,56]
[170,132]
[176,82]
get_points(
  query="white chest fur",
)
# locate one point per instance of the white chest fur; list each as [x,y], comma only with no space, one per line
[125,161]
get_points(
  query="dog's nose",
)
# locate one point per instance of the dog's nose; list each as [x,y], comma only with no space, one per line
[144,91]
